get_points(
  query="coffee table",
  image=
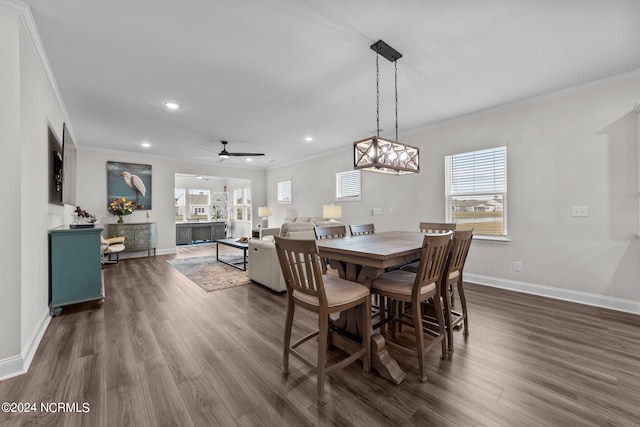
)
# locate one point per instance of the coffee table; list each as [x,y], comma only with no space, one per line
[241,264]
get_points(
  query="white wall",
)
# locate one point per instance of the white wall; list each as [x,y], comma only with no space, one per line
[10,174]
[92,187]
[28,107]
[313,185]
[575,148]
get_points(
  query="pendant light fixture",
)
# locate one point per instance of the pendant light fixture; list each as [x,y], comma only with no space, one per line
[382,155]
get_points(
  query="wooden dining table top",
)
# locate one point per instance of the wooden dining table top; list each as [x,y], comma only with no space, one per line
[377,250]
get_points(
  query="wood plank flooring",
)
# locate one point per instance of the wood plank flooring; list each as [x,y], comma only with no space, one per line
[160,351]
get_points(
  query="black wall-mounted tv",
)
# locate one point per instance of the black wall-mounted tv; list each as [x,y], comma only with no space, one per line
[55,169]
[69,156]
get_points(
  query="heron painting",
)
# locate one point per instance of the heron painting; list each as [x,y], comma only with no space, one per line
[130,180]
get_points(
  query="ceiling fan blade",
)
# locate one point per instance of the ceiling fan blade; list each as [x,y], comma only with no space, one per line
[202,148]
[246,154]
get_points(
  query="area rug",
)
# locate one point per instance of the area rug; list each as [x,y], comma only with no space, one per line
[209,274]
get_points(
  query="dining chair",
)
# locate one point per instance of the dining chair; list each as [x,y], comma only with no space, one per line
[310,288]
[359,230]
[431,228]
[437,227]
[110,246]
[330,231]
[414,289]
[460,244]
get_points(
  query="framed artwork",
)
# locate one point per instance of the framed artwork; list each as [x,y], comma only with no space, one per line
[285,191]
[130,180]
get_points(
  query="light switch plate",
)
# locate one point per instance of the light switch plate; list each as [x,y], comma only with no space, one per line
[579,211]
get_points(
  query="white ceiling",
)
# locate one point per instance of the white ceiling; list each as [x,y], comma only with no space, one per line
[264,74]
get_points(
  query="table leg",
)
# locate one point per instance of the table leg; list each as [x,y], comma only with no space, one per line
[244,259]
[381,360]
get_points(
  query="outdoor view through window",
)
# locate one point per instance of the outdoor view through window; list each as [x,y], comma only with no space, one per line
[476,190]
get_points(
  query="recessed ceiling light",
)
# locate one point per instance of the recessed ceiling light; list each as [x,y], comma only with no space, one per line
[146,145]
[308,139]
[249,160]
[171,105]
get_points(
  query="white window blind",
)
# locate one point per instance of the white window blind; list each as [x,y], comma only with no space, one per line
[348,185]
[476,190]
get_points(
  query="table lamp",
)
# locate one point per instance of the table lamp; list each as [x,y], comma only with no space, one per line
[332,211]
[264,212]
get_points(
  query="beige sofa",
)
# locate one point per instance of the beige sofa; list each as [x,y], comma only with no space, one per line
[263,264]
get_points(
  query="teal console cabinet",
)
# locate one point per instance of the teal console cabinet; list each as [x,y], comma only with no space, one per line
[75,271]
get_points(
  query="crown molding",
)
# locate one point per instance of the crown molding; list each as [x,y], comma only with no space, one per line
[28,23]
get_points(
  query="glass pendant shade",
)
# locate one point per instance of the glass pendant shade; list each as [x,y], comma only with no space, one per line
[381,155]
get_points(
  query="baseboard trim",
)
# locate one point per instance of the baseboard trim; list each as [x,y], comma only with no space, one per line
[618,304]
[18,365]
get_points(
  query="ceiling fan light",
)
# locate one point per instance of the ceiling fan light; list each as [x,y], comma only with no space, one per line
[223,156]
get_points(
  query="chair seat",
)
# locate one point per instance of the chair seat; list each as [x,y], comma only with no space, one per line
[112,249]
[399,282]
[337,290]
[413,268]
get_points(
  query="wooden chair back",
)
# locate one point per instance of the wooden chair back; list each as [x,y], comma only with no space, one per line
[302,267]
[359,230]
[331,232]
[460,244]
[437,227]
[433,258]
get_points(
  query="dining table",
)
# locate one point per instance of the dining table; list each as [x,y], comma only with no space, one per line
[362,259]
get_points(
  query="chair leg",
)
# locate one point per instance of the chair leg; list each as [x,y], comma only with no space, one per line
[366,334]
[437,304]
[417,315]
[393,309]
[447,318]
[382,302]
[451,294]
[463,304]
[287,335]
[323,326]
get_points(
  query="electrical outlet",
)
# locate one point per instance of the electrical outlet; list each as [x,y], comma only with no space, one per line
[517,266]
[579,211]
[390,211]
[376,211]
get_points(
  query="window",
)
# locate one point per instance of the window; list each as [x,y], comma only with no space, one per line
[476,190]
[284,191]
[348,185]
[180,205]
[242,204]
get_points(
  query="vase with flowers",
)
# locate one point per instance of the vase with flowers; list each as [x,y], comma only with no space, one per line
[120,208]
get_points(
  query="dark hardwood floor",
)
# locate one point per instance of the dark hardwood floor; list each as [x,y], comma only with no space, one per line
[160,351]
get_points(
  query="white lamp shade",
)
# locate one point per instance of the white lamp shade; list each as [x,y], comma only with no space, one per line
[264,211]
[332,211]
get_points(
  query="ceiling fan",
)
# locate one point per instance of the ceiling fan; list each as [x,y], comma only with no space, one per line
[224,154]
